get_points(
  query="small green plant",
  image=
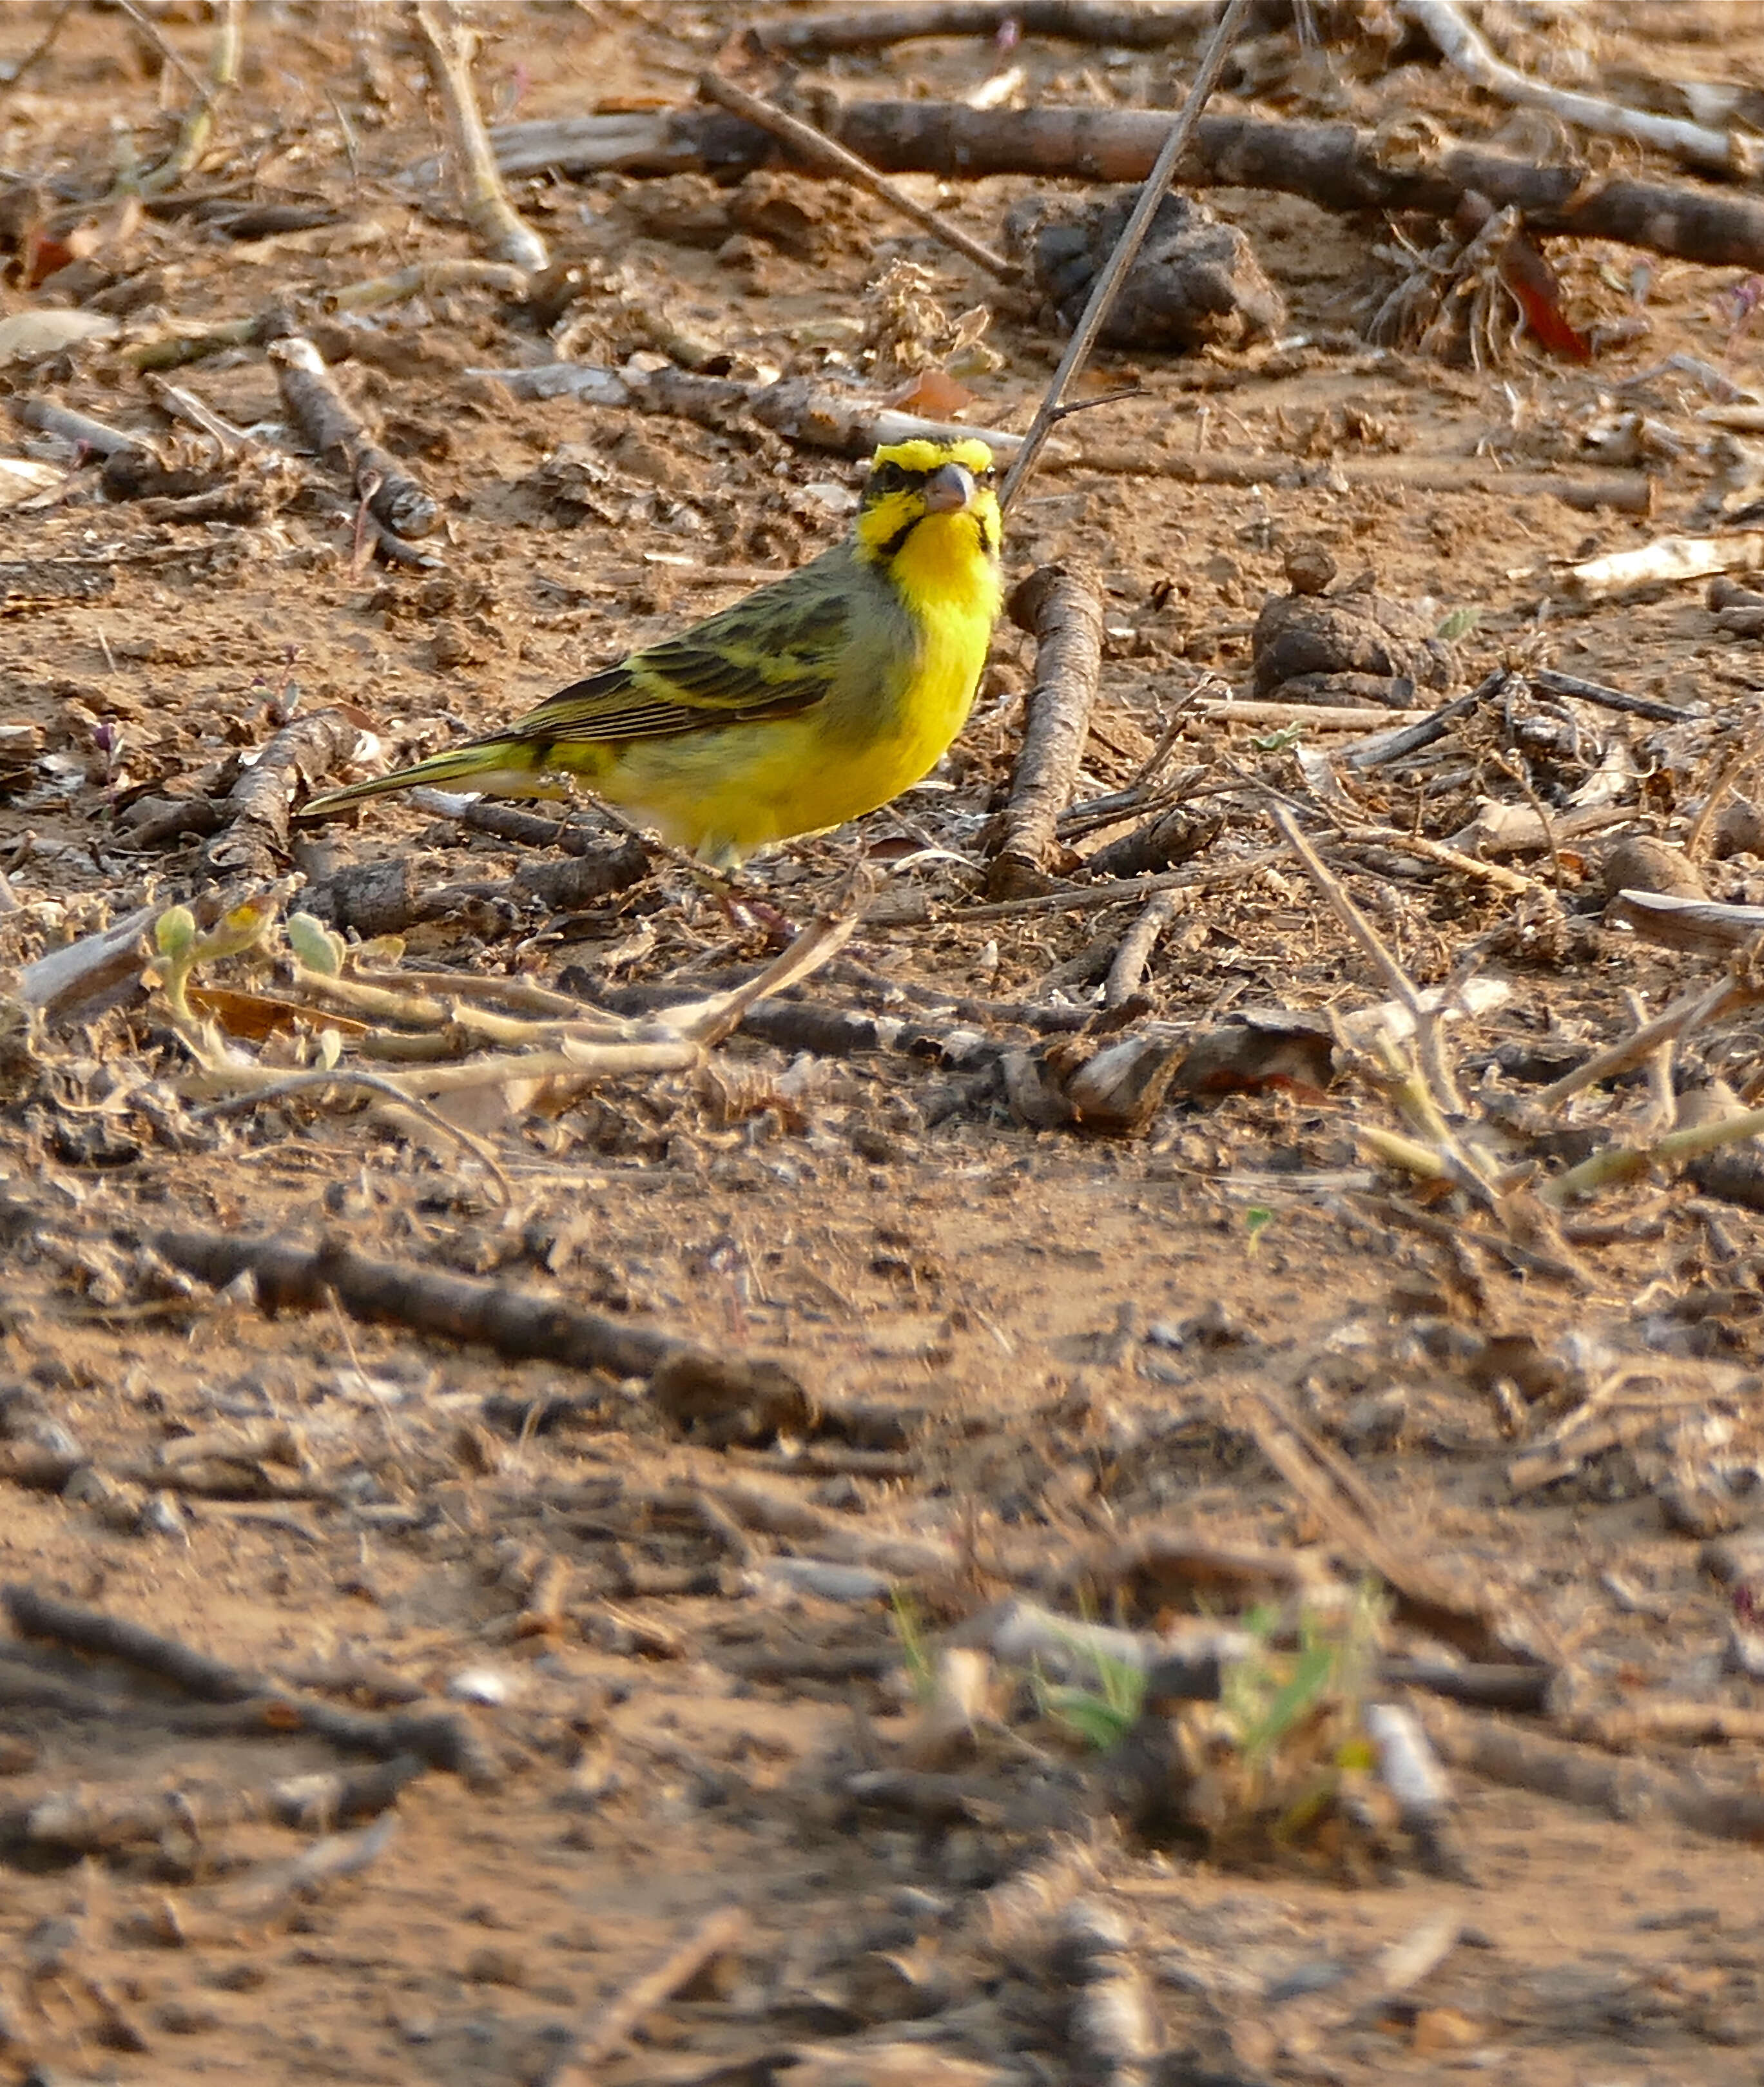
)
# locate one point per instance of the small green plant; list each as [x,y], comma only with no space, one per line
[1458,624]
[1102,1715]
[182,948]
[1277,742]
[316,947]
[915,1654]
[1257,1220]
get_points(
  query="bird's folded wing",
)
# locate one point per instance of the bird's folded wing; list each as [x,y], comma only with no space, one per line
[757,659]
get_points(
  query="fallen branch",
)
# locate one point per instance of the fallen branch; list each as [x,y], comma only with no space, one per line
[1338,167]
[1148,25]
[1137,945]
[803,411]
[811,144]
[1119,891]
[494,222]
[1578,1775]
[1386,747]
[244,1703]
[1630,492]
[79,428]
[1061,606]
[1553,682]
[334,431]
[1725,152]
[253,840]
[517,1324]
[1702,927]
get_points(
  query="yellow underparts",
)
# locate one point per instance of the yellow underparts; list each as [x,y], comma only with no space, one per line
[725,791]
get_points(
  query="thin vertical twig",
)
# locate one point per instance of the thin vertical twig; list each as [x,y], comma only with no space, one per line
[495,223]
[198,124]
[1107,287]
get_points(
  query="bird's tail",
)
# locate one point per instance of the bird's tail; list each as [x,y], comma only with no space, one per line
[504,766]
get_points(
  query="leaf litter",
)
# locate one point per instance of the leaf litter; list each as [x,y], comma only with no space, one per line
[1134,1383]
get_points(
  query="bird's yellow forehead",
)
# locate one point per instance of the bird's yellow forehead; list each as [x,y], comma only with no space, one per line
[922,454]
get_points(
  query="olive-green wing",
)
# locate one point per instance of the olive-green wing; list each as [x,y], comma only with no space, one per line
[771,655]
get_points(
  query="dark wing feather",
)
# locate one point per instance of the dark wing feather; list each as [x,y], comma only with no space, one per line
[771,655]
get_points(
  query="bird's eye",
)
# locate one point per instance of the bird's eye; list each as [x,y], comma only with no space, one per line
[887,478]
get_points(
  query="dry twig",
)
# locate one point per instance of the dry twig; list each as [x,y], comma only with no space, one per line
[447,47]
[806,140]
[1724,152]
[1061,605]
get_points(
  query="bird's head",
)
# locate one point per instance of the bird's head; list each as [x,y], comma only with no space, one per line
[946,484]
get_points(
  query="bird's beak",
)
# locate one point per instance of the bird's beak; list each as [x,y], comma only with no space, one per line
[949,489]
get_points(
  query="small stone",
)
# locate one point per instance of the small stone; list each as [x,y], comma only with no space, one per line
[1641,863]
[1309,568]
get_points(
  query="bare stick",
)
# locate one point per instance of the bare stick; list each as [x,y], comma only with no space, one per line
[713,1936]
[255,840]
[1397,981]
[812,144]
[1721,152]
[494,221]
[38,51]
[1702,926]
[1668,559]
[1576,1774]
[335,430]
[1061,605]
[1137,945]
[168,56]
[1691,1011]
[1337,166]
[794,406]
[1553,682]
[68,426]
[1137,26]
[1118,891]
[1107,284]
[516,1323]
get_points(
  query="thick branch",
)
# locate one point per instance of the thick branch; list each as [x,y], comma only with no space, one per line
[1333,163]
[1061,605]
[517,1324]
[334,429]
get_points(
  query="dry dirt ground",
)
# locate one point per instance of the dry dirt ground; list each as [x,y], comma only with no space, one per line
[1071,1331]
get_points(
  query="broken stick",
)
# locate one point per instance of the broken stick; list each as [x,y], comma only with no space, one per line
[498,226]
[335,431]
[253,840]
[518,1324]
[1061,606]
[1339,167]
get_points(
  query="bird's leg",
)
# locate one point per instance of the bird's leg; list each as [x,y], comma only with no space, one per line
[743,907]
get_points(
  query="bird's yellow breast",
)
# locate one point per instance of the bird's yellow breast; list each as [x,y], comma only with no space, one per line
[906,690]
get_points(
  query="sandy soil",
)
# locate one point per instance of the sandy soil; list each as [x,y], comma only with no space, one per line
[1074,1331]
